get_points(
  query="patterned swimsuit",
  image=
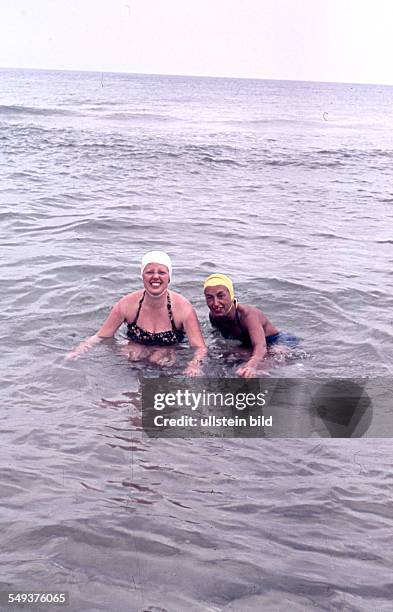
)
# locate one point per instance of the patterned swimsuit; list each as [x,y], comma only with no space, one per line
[164,338]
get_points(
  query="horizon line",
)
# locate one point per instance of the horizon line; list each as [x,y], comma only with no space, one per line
[196,76]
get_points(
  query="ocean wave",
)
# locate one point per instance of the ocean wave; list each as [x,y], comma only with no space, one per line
[305,162]
[32,110]
[331,235]
[264,121]
[355,153]
[121,116]
[228,162]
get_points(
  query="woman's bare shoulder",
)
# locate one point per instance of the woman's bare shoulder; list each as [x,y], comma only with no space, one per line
[130,298]
[245,308]
[128,303]
[178,297]
[246,311]
[180,302]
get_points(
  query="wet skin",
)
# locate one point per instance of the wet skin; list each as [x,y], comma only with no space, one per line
[154,318]
[251,326]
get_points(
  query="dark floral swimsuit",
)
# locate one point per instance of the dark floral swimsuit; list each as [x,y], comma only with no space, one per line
[164,338]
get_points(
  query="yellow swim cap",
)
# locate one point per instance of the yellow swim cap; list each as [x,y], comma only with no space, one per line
[220,279]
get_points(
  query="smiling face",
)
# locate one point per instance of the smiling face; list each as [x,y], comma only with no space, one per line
[218,300]
[155,278]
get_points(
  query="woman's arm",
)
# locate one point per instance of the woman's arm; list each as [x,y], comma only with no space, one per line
[113,321]
[251,321]
[195,338]
[107,330]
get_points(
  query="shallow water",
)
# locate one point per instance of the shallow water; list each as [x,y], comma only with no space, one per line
[243,176]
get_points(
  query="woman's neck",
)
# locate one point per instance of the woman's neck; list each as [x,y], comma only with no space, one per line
[156,301]
[231,313]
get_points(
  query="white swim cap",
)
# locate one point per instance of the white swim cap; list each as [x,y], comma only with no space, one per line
[159,257]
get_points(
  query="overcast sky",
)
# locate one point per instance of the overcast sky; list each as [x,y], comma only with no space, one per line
[316,40]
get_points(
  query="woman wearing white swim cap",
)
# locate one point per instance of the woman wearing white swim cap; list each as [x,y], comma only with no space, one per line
[155,316]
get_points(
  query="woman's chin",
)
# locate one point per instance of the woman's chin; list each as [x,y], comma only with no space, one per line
[155,292]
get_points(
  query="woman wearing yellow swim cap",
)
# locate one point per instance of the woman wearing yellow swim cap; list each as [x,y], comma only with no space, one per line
[240,321]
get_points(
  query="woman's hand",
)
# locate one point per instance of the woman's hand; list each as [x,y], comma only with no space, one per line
[83,347]
[194,369]
[194,366]
[248,370]
[163,357]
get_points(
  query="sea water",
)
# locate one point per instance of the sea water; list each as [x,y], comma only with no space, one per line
[286,187]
